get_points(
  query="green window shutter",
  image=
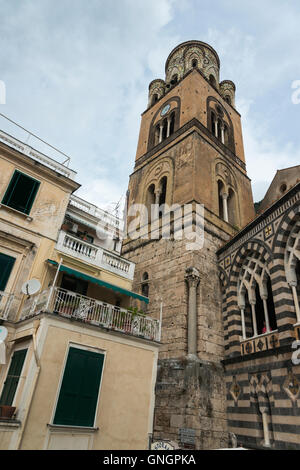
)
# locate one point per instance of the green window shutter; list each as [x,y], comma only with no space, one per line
[79,391]
[21,192]
[13,377]
[6,265]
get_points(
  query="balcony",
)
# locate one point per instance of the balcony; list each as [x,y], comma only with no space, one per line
[260,343]
[95,312]
[95,255]
[94,211]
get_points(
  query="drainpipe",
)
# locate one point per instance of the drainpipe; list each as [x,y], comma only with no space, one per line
[36,325]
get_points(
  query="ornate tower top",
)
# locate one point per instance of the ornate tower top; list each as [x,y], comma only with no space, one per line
[186,57]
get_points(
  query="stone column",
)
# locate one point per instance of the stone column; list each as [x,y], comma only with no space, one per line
[156,207]
[242,307]
[253,303]
[169,125]
[293,285]
[160,132]
[264,299]
[225,208]
[192,278]
[222,133]
[267,442]
[216,127]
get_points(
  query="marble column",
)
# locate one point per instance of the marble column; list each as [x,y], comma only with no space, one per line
[293,285]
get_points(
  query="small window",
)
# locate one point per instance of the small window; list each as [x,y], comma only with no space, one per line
[13,377]
[194,63]
[212,80]
[283,188]
[21,192]
[145,285]
[228,99]
[174,79]
[6,265]
[79,390]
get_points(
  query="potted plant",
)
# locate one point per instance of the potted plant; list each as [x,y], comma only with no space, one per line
[7,411]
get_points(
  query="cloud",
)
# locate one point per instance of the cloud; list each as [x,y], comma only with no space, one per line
[78,75]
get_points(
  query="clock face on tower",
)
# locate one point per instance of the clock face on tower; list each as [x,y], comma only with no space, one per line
[165,110]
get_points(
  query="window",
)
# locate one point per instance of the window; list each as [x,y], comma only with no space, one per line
[6,265]
[212,80]
[13,377]
[79,390]
[194,63]
[174,79]
[145,284]
[21,192]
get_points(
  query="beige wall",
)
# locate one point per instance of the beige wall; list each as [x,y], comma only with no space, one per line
[124,414]
[31,239]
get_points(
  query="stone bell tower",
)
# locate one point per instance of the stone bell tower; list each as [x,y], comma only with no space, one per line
[190,152]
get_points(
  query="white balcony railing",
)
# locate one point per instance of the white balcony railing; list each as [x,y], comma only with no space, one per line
[72,305]
[95,255]
[95,211]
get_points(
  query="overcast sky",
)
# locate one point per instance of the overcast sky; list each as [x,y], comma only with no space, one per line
[77,74]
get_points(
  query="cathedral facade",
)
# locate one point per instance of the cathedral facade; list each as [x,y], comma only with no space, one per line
[229,307]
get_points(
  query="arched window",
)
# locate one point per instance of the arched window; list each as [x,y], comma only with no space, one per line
[221,189]
[172,123]
[165,129]
[145,284]
[226,135]
[213,123]
[156,135]
[228,99]
[254,280]
[174,79]
[150,199]
[219,129]
[194,63]
[231,205]
[163,190]
[212,80]
[292,265]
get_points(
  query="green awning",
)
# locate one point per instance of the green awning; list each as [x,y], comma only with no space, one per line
[101,283]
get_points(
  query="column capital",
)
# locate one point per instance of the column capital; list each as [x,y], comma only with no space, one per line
[224,195]
[192,276]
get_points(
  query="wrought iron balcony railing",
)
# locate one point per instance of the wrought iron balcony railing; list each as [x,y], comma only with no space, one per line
[95,312]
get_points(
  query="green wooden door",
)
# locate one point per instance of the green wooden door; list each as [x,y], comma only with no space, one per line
[13,377]
[6,265]
[79,391]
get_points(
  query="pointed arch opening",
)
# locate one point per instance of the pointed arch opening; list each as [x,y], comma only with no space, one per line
[150,200]
[212,80]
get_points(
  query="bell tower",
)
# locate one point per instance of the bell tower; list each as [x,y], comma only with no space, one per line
[190,152]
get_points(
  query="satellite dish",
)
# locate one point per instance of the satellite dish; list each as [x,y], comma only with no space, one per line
[3,333]
[31,287]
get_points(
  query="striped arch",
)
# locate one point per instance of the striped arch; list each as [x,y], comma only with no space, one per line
[285,227]
[255,247]
[286,253]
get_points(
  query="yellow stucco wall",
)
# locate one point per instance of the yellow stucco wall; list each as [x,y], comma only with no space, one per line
[126,388]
